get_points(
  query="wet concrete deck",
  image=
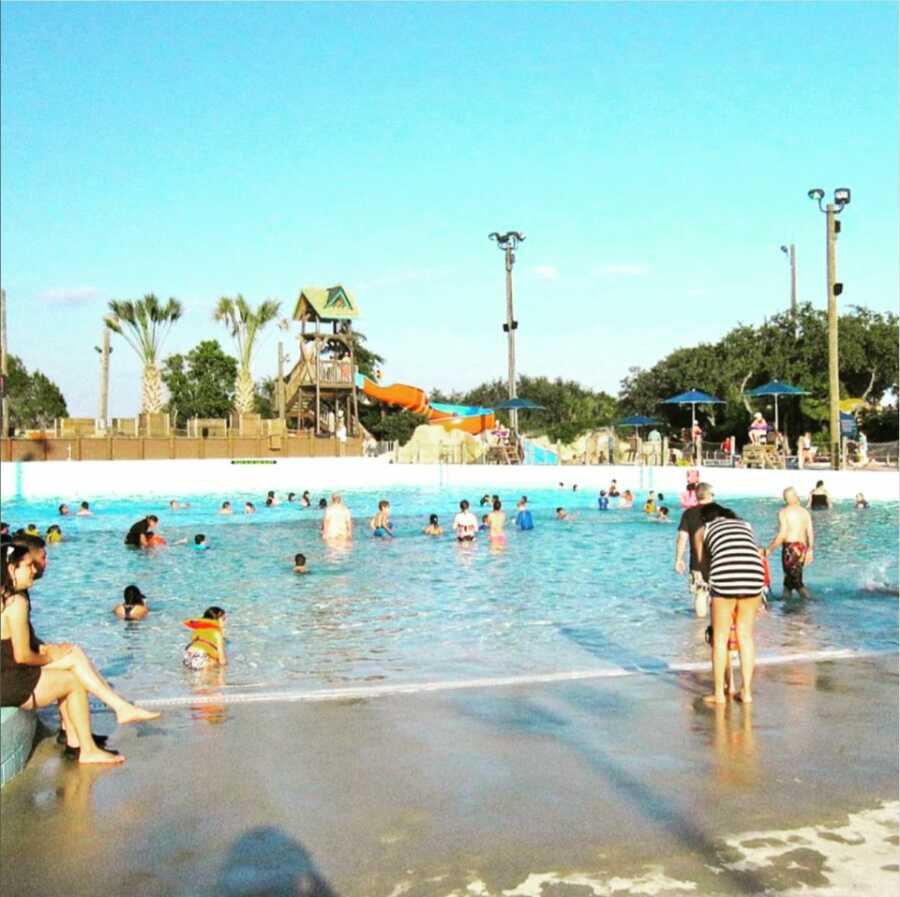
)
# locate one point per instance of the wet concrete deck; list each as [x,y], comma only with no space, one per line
[624,786]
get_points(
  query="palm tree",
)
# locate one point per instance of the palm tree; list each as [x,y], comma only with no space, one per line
[144,325]
[245,325]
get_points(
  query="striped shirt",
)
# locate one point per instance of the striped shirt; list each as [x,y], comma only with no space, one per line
[735,566]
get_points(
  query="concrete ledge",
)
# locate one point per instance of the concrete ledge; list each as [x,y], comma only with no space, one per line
[17,729]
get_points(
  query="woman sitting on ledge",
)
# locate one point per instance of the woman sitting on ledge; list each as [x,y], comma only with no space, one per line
[32,678]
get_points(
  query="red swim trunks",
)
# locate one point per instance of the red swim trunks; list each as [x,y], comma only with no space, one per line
[793,555]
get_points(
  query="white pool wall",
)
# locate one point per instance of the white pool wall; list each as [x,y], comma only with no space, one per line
[71,480]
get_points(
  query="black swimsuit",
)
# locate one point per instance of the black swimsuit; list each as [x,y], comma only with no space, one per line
[819,502]
[18,680]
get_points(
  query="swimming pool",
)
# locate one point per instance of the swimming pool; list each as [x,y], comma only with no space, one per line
[594,593]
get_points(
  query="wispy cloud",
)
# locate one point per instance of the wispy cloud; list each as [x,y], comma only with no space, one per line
[73,295]
[546,272]
[621,269]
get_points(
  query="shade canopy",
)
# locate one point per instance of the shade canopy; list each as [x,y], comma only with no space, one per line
[693,397]
[637,420]
[777,388]
[518,405]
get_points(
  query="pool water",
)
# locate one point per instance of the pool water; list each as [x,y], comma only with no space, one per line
[595,593]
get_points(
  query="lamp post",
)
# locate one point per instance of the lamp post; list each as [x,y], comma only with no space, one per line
[508,243]
[832,229]
[105,351]
[791,253]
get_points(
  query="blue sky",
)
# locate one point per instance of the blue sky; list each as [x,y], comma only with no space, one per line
[656,156]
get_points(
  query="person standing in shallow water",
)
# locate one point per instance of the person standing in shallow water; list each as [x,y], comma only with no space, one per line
[796,538]
[337,524]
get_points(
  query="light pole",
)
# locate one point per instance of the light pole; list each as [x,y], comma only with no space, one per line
[791,253]
[508,243]
[832,229]
[104,377]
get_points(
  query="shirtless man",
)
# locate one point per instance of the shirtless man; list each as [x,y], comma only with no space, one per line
[337,524]
[796,538]
[496,522]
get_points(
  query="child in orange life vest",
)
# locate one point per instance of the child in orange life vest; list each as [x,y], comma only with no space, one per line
[207,646]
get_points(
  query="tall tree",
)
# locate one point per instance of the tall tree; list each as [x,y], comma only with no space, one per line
[201,383]
[144,325]
[35,401]
[245,325]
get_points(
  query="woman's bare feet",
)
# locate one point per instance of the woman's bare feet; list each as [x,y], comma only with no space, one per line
[133,714]
[714,699]
[744,696]
[96,756]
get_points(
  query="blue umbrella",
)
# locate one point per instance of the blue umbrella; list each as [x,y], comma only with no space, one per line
[637,420]
[518,405]
[693,397]
[776,388]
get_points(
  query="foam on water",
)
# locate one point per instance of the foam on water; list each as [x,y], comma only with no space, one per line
[597,594]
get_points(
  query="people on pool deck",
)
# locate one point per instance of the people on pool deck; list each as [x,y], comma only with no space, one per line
[35,674]
[54,533]
[496,522]
[200,543]
[524,520]
[860,502]
[626,500]
[207,645]
[691,521]
[650,503]
[380,524]
[796,537]
[84,510]
[434,528]
[337,523]
[736,582]
[758,429]
[304,499]
[603,501]
[137,536]
[662,515]
[271,500]
[819,499]
[249,507]
[133,606]
[64,510]
[226,508]
[465,523]
[613,491]
[300,563]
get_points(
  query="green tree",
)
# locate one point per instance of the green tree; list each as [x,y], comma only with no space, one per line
[265,399]
[201,383]
[245,325]
[144,325]
[388,424]
[35,401]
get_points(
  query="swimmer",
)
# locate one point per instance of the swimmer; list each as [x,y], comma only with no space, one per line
[200,543]
[662,515]
[561,485]
[574,487]
[305,500]
[485,500]
[465,524]
[434,528]
[300,563]
[322,504]
[689,498]
[54,533]
[563,514]
[337,522]
[603,501]
[207,647]
[524,519]
[380,524]
[819,499]
[660,498]
[650,503]
[137,536]
[484,526]
[4,532]
[64,510]
[271,501]
[133,606]
[291,496]
[178,505]
[153,539]
[613,490]
[249,508]
[84,510]
[860,502]
[226,508]
[496,521]
[32,530]
[627,501]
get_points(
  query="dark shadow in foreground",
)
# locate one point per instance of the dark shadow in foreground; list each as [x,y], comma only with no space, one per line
[265,862]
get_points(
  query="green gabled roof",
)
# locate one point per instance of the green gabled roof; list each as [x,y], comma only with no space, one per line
[329,303]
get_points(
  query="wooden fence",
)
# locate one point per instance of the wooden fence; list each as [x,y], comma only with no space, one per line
[159,448]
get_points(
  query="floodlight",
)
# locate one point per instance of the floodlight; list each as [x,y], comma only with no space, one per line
[817,193]
[842,196]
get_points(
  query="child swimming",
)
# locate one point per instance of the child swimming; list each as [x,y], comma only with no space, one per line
[433,528]
[207,647]
[200,543]
[300,563]
[54,533]
[380,524]
[226,508]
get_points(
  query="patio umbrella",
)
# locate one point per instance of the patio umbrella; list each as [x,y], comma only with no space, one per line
[776,388]
[693,397]
[518,405]
[637,420]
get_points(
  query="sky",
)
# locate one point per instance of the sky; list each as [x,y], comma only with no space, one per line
[656,155]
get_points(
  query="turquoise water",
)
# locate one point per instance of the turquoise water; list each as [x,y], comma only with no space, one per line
[595,593]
